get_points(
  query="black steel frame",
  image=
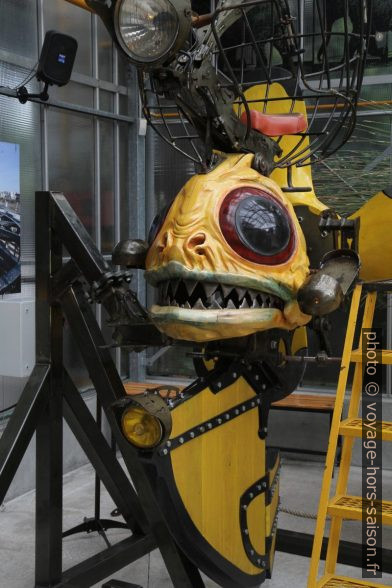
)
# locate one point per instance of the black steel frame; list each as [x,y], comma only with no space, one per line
[50,395]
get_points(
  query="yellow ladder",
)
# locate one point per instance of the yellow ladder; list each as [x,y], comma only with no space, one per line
[341,506]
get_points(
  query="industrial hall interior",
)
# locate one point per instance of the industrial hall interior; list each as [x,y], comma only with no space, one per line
[195,293]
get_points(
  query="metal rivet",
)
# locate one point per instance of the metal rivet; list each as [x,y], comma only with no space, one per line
[252,552]
[234,374]
[264,484]
[219,384]
[258,487]
[265,429]
[165,452]
[181,439]
[168,443]
[227,416]
[202,429]
[251,495]
[209,426]
[245,506]
[257,378]
[236,411]
[243,408]
[263,387]
[191,434]
[253,404]
[246,531]
[219,421]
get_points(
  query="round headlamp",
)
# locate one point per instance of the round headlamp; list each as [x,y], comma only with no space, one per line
[152,31]
[141,428]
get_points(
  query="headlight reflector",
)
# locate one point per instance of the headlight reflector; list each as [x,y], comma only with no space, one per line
[148,30]
[141,428]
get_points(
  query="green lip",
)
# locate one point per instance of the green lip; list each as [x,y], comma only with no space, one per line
[175,270]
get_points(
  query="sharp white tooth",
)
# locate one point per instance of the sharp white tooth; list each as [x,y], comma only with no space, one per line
[215,305]
[174,303]
[226,290]
[199,305]
[244,304]
[231,304]
[187,305]
[190,286]
[209,289]
[241,293]
[255,303]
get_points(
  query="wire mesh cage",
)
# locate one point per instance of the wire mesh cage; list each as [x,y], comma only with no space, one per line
[258,66]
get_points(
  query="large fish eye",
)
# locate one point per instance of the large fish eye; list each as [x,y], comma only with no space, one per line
[257,226]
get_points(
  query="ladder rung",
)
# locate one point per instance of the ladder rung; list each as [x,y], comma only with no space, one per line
[331,581]
[353,428]
[386,356]
[350,508]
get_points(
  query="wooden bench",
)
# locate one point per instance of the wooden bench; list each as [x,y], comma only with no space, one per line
[316,403]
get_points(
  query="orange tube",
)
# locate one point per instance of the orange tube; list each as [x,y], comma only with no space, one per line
[80,3]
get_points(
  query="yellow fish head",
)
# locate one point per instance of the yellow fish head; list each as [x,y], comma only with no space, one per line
[228,258]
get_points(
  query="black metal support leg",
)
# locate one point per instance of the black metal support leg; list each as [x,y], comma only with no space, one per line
[109,388]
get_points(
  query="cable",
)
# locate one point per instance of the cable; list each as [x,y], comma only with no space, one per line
[7,409]
[298,513]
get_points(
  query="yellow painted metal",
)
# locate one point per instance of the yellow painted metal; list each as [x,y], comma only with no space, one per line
[350,508]
[353,428]
[331,581]
[375,243]
[81,4]
[214,470]
[345,461]
[330,459]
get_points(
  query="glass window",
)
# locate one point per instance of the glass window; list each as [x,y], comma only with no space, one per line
[71,20]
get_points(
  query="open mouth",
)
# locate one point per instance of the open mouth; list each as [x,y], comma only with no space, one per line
[201,295]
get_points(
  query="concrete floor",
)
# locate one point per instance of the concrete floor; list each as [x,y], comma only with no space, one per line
[300,487]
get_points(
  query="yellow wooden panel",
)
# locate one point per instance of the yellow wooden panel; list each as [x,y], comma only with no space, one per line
[213,470]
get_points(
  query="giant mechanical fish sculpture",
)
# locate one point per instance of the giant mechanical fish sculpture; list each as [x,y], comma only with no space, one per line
[245,258]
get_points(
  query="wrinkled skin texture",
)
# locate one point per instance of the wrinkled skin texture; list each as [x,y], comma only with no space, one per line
[190,246]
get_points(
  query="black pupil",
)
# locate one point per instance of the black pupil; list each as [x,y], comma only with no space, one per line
[262,225]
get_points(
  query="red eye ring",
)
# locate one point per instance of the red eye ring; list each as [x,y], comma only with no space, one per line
[256,226]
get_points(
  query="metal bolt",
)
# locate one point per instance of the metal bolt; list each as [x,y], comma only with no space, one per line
[245,506]
[258,488]
[264,484]
[252,552]
[253,404]
[165,452]
[236,411]
[274,344]
[265,430]
[243,408]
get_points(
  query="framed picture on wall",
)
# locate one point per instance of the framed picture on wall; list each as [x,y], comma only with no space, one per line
[10,281]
